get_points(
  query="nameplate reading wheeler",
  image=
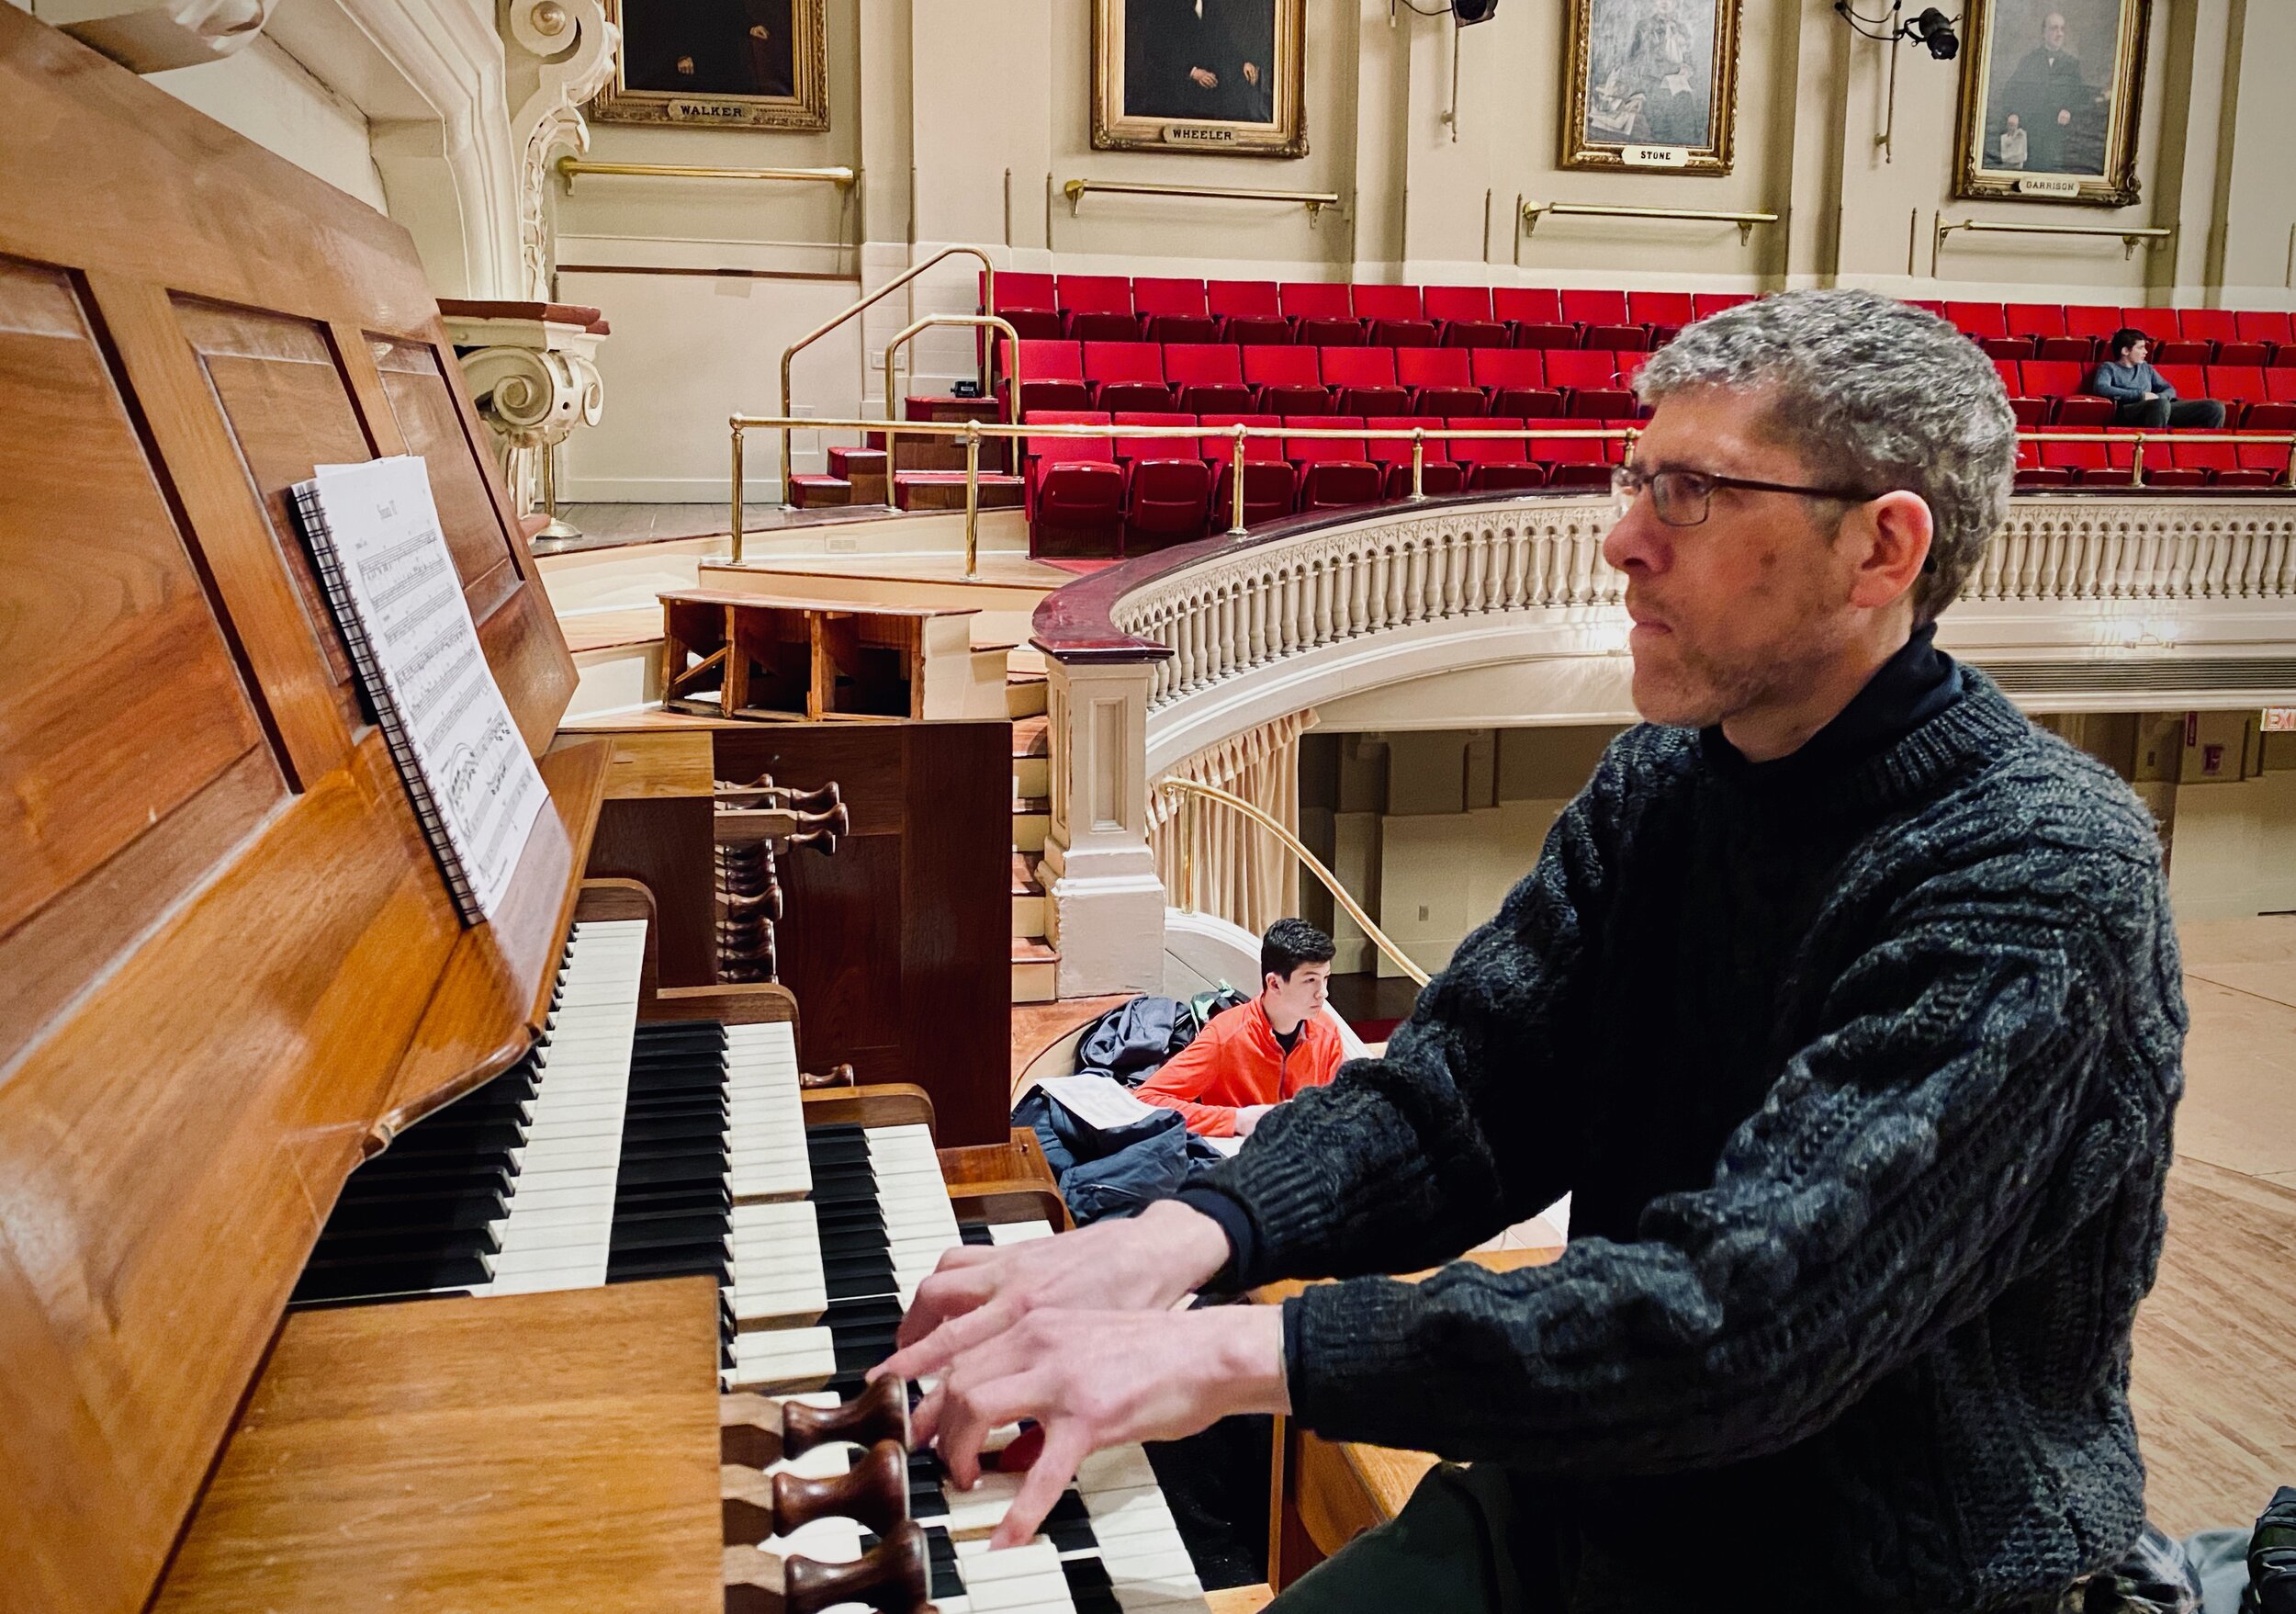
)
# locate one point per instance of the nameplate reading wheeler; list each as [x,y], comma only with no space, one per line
[375,532]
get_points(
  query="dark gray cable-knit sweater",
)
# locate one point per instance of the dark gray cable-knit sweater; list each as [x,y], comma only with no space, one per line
[1860,1074]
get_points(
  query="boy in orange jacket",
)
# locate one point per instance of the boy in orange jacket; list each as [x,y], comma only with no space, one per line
[1252,1058]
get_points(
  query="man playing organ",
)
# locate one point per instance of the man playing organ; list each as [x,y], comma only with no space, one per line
[1842,1001]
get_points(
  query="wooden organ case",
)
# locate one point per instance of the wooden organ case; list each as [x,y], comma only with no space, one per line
[231,968]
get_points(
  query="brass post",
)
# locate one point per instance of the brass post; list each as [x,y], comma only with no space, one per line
[972,499]
[2290,477]
[1419,462]
[893,412]
[1187,854]
[1236,464]
[2136,463]
[737,521]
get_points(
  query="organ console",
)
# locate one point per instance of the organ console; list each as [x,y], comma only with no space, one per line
[349,1256]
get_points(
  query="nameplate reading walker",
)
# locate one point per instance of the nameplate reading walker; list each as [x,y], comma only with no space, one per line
[374,534]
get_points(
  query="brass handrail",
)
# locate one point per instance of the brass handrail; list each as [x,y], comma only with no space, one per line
[1187,789]
[569,166]
[2129,236]
[972,433]
[989,295]
[1315,202]
[1533,211]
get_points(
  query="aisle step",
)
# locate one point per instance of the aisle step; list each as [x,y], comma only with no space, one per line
[1035,971]
[814,492]
[943,490]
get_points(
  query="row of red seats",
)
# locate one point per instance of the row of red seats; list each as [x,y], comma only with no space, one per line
[2046,392]
[1439,381]
[1152,492]
[2079,332]
[1327,314]
[1114,308]
[1093,494]
[2190,459]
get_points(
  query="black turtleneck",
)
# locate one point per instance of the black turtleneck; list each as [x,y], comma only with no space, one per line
[1910,688]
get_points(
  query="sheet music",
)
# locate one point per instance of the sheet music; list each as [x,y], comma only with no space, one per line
[1096,1100]
[401,578]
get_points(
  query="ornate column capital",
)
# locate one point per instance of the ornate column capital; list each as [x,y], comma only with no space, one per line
[575,44]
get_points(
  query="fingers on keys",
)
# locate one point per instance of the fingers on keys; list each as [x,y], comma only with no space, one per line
[1066,1447]
[931,1351]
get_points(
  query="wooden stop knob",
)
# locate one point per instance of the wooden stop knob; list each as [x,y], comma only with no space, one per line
[893,1579]
[874,1493]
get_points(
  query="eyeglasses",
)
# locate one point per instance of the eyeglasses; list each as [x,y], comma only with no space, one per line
[1681,498]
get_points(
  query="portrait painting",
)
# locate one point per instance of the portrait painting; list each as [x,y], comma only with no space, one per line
[2049,98]
[724,63]
[1652,84]
[1206,75]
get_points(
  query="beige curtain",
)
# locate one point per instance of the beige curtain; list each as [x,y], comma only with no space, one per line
[1242,874]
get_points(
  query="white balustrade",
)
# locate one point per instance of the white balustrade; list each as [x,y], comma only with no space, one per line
[1236,611]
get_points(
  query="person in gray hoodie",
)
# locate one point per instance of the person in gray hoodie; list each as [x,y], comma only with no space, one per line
[2141,395]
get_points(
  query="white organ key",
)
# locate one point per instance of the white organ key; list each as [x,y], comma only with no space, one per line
[1019,1580]
[774,1361]
[1018,1232]
[778,1279]
[560,1217]
[768,1135]
[828,1540]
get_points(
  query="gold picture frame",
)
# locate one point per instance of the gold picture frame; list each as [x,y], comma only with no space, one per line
[1651,85]
[1151,92]
[718,65]
[2073,139]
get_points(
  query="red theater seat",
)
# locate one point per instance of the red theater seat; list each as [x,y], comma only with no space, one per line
[1495,465]
[1533,316]
[1363,379]
[2190,380]
[1172,312]
[2271,458]
[2035,319]
[1097,307]
[1393,316]
[1438,472]
[2032,473]
[2237,387]
[1663,313]
[1581,307]
[1320,312]
[1286,380]
[1576,462]
[2277,412]
[1051,375]
[1336,473]
[1440,380]
[1249,312]
[1074,489]
[1026,302]
[2270,330]
[2079,350]
[1929,305]
[2030,408]
[1126,375]
[2103,464]
[1167,486]
[1591,380]
[2006,346]
[1269,480]
[1464,312]
[1703,303]
[1978,319]
[2090,320]
[2218,459]
[1514,380]
[1208,375]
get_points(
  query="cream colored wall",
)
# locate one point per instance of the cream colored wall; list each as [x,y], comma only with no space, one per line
[270,98]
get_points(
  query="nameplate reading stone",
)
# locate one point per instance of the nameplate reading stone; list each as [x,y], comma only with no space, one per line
[2042,185]
[1655,156]
[1198,134]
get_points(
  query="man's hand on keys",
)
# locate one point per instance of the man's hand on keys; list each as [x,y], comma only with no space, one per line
[1096,1378]
[1077,1332]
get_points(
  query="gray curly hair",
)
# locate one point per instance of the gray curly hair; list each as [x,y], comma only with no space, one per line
[1870,392]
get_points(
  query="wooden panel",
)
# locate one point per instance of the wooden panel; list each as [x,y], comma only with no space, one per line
[424,406]
[899,947]
[275,380]
[664,844]
[107,636]
[162,1153]
[520,1453]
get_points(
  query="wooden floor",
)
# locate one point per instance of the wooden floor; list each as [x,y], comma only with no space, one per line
[2214,1377]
